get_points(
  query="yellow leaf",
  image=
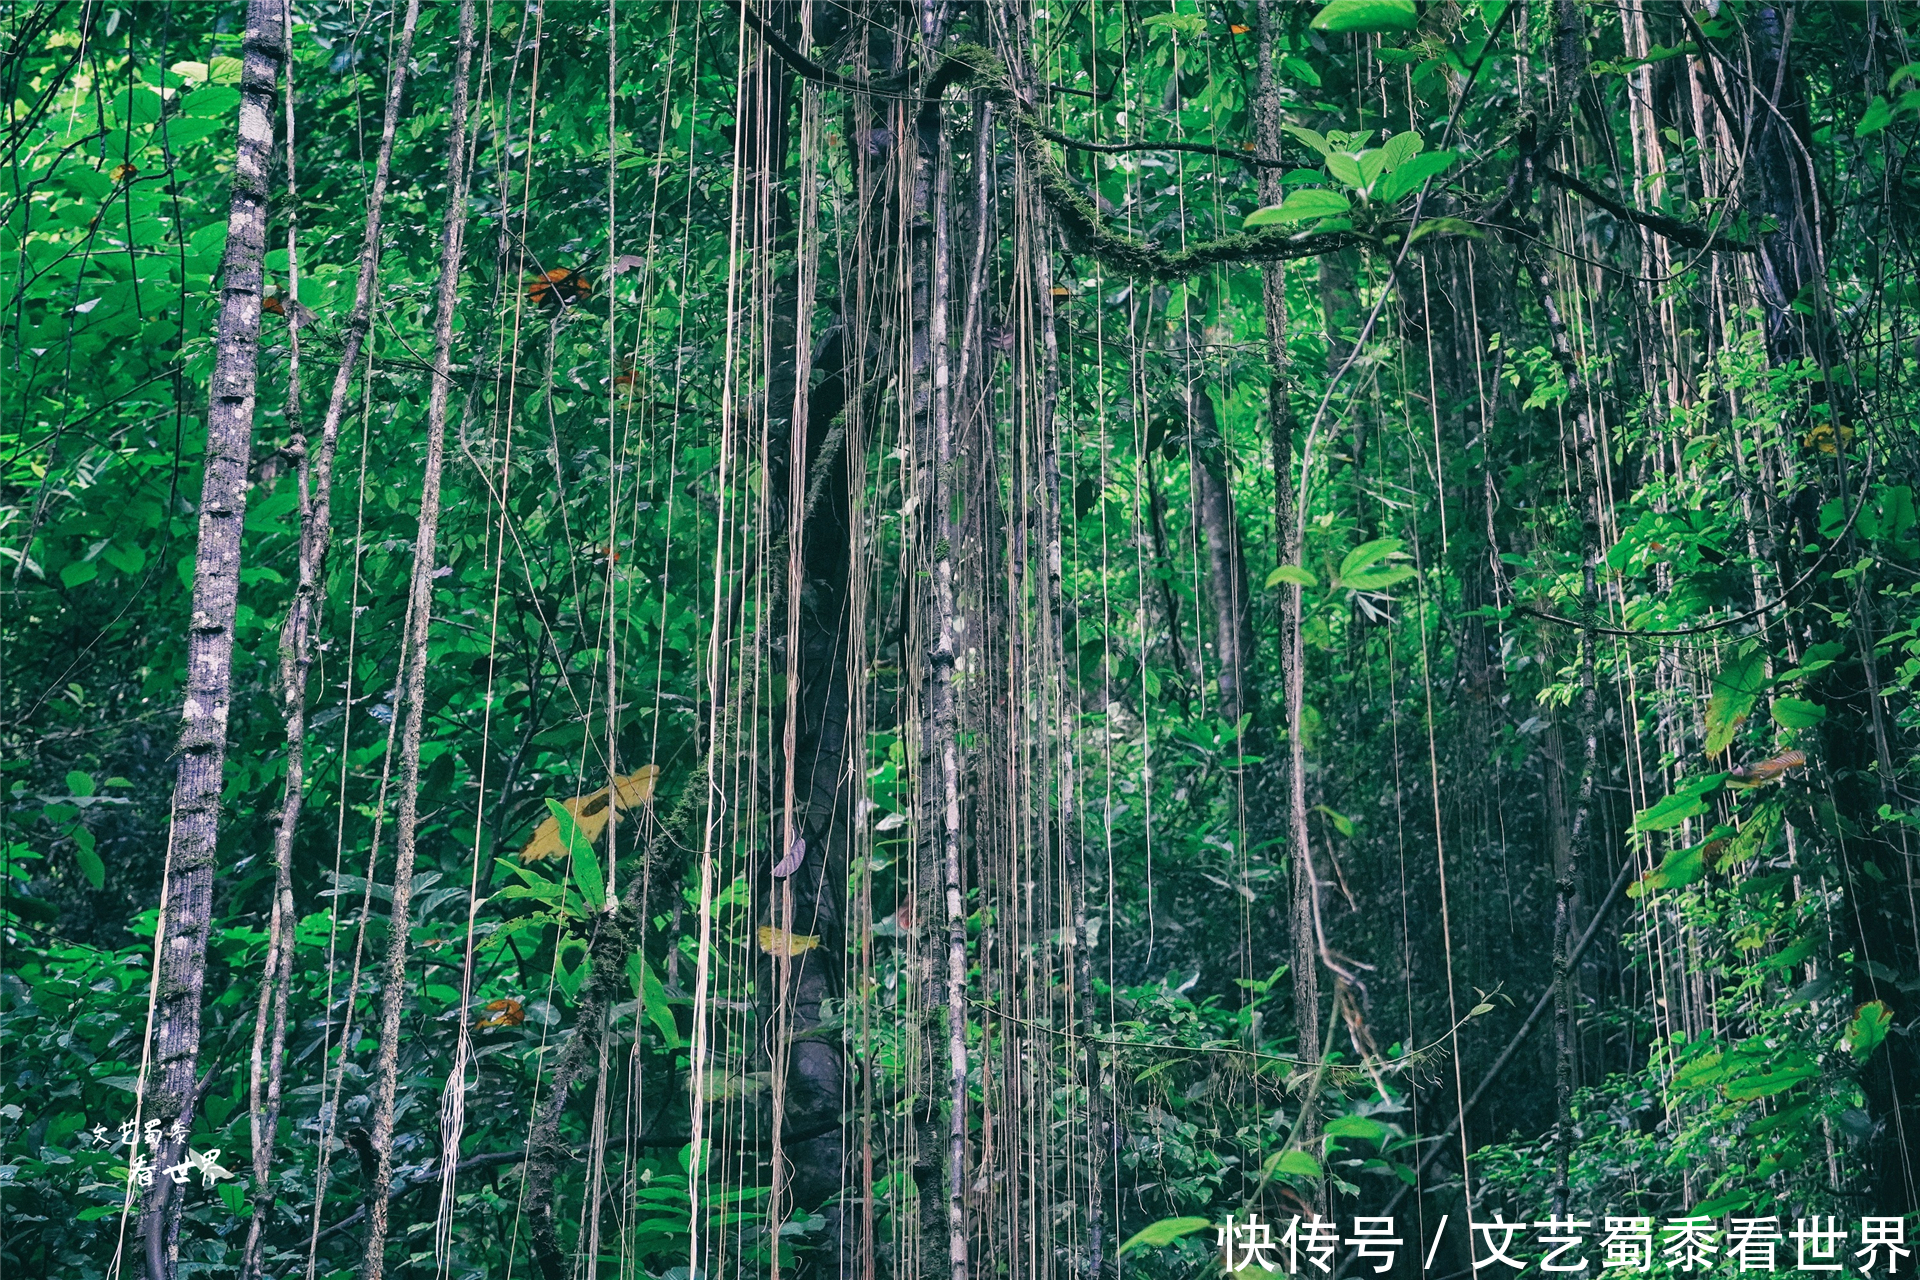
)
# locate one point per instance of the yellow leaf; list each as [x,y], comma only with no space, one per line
[591,813]
[778,942]
[637,787]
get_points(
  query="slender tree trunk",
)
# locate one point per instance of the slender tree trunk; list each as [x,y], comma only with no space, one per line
[1226,557]
[1304,884]
[942,718]
[1790,257]
[296,636]
[202,749]
[1190,672]
[1570,869]
[393,986]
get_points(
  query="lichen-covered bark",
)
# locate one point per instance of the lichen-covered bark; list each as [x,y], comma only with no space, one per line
[187,895]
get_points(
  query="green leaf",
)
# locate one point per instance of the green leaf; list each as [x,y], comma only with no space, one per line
[659,1012]
[1315,140]
[1403,180]
[1346,168]
[1293,1164]
[1705,1070]
[1372,165]
[1341,822]
[1300,69]
[1366,555]
[586,869]
[1734,690]
[1291,573]
[90,866]
[1670,812]
[1349,16]
[1400,148]
[1300,206]
[1357,1127]
[79,783]
[1377,579]
[1186,24]
[1164,1232]
[1792,954]
[1443,227]
[1721,1204]
[1793,713]
[1771,1079]
[1869,1028]
[1879,116]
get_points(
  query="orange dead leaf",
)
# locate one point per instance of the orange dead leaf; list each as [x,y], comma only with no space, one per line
[778,942]
[1239,29]
[501,1013]
[122,172]
[562,286]
[591,812]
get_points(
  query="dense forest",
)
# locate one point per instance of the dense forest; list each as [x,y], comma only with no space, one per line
[1032,638]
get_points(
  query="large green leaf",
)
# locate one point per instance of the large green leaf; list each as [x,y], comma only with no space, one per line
[1165,1231]
[1356,1127]
[1350,16]
[1403,180]
[1366,555]
[1734,691]
[1293,1164]
[1302,206]
[1670,813]
[1772,1078]
[1377,579]
[1795,713]
[586,868]
[1346,169]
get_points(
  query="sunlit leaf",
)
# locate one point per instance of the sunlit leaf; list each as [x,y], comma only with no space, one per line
[1293,1164]
[1292,573]
[1357,1127]
[778,942]
[1164,1232]
[1734,691]
[1366,16]
[1300,206]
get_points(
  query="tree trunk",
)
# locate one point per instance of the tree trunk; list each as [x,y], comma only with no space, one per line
[1226,557]
[296,636]
[188,898]
[1570,869]
[1790,255]
[1302,910]
[393,987]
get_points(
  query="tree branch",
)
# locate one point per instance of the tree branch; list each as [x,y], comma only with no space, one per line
[1681,233]
[1198,148]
